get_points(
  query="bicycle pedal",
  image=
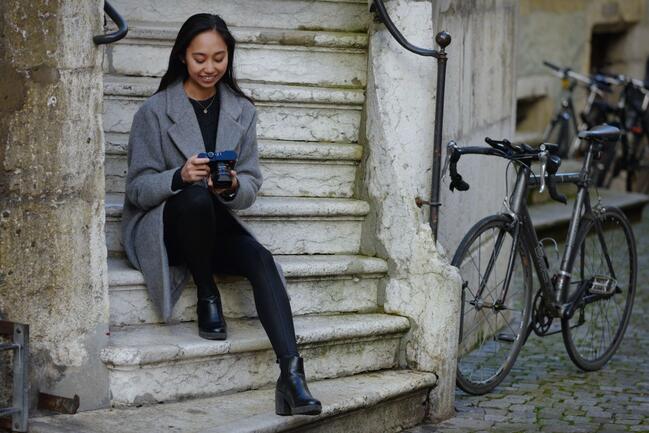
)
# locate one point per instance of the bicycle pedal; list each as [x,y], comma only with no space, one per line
[603,285]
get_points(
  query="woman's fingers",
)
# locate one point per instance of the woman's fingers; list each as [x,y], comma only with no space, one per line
[200,161]
[235,180]
[195,169]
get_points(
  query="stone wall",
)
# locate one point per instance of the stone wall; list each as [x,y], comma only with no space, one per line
[398,157]
[561,32]
[52,248]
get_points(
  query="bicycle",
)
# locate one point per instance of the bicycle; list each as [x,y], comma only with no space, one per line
[564,125]
[632,112]
[499,307]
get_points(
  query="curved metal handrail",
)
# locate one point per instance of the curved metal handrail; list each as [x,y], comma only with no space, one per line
[443,39]
[122,27]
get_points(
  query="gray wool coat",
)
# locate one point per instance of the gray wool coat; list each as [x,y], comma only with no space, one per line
[164,134]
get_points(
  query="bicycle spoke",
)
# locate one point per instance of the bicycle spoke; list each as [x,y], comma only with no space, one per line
[491,326]
[592,344]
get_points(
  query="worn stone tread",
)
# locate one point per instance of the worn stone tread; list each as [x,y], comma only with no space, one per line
[316,284]
[142,87]
[152,344]
[117,144]
[246,412]
[121,273]
[337,15]
[167,31]
[269,207]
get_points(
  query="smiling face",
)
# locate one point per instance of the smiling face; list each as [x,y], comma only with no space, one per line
[207,59]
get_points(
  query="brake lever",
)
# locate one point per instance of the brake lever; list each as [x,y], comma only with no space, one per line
[543,158]
[450,147]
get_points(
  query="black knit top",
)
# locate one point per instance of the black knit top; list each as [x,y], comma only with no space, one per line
[209,124]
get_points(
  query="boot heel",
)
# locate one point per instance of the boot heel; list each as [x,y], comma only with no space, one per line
[281,405]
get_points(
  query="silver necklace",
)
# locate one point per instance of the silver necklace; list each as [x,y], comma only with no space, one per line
[208,106]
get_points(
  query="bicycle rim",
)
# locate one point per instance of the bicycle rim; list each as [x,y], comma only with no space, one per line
[491,335]
[595,331]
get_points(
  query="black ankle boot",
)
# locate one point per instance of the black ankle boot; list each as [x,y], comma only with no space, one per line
[292,395]
[211,323]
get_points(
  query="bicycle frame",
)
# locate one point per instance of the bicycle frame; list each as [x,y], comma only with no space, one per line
[555,293]
[566,116]
[566,113]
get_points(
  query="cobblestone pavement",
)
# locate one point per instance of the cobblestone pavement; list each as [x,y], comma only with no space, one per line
[545,392]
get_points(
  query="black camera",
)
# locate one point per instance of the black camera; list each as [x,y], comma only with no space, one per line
[220,165]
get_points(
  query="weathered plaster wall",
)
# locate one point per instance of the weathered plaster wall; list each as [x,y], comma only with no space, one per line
[480,102]
[561,32]
[52,247]
[398,158]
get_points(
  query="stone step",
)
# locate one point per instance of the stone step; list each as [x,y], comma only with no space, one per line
[315,284]
[167,31]
[284,225]
[337,15]
[297,113]
[290,169]
[260,56]
[378,402]
[142,87]
[292,121]
[554,216]
[157,363]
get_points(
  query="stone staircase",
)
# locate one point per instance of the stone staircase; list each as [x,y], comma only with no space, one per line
[305,64]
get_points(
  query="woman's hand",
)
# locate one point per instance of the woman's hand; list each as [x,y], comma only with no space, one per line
[195,169]
[233,187]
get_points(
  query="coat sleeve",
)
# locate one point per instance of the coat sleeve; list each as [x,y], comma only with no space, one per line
[248,170]
[148,181]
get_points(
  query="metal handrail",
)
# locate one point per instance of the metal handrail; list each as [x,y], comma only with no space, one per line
[443,39]
[382,15]
[122,27]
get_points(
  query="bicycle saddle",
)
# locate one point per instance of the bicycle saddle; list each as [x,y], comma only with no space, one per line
[603,132]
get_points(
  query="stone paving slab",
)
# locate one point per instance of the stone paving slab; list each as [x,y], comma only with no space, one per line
[546,393]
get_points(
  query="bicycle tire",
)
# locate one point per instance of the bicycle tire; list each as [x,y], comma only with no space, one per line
[615,228]
[559,133]
[501,344]
[564,139]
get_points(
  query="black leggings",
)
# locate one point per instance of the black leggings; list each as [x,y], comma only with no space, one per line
[200,232]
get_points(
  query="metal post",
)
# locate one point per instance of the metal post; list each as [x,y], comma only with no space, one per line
[443,39]
[20,338]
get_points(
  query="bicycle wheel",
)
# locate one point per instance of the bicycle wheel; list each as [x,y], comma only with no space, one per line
[492,330]
[604,284]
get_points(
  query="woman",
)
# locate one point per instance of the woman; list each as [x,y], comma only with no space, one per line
[177,222]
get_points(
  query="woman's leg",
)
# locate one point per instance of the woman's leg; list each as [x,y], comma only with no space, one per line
[188,221]
[189,225]
[238,253]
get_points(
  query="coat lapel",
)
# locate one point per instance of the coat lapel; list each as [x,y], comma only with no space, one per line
[230,131]
[186,133]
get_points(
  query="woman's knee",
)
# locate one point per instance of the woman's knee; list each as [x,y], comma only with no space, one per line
[262,265]
[194,201]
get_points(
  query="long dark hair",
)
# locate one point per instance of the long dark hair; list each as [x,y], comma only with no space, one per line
[194,25]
